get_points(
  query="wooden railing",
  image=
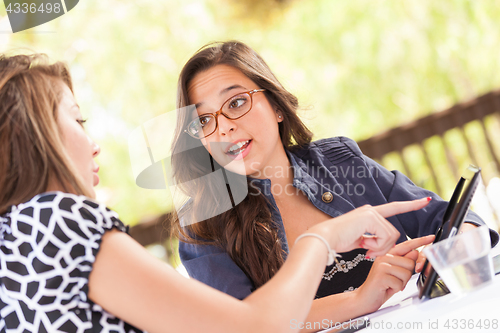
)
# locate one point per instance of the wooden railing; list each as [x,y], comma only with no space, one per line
[483,111]
[437,125]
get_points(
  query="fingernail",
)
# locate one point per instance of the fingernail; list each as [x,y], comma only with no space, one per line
[429,198]
[367,256]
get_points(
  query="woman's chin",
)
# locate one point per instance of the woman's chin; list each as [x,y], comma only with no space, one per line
[237,167]
[95,179]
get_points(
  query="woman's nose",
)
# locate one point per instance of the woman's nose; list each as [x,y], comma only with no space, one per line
[96,149]
[226,125]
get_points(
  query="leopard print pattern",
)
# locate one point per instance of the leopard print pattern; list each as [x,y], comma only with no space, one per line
[47,248]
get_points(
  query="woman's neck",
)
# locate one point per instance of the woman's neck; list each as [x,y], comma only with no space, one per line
[280,171]
[53,185]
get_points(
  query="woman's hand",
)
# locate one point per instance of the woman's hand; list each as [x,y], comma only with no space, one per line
[390,273]
[421,256]
[366,227]
[420,263]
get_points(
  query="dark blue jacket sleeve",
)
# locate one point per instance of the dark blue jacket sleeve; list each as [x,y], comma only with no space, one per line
[395,186]
[213,266]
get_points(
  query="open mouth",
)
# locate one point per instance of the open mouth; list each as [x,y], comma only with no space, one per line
[238,148]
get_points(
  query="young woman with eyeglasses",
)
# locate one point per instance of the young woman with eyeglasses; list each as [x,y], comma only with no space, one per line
[248,123]
[66,262]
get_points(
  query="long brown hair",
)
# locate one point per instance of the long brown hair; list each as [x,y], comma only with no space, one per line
[31,149]
[246,232]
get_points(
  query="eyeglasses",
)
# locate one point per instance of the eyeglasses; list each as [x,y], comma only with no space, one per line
[234,108]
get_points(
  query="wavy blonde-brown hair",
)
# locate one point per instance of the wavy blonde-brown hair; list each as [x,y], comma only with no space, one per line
[31,149]
[246,232]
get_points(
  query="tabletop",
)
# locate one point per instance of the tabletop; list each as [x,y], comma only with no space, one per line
[477,311]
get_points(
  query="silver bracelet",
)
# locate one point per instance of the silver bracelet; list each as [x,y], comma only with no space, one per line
[332,255]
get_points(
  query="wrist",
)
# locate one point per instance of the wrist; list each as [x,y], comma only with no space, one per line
[356,304]
[357,297]
[331,254]
[324,231]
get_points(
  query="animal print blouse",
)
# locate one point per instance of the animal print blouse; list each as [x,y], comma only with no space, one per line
[47,248]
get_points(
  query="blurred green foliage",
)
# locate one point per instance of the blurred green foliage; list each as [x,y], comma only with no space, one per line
[358,67]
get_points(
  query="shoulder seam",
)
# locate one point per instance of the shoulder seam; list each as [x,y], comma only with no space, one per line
[346,141]
[337,149]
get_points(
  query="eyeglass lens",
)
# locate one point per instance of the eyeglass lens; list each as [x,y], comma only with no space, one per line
[236,107]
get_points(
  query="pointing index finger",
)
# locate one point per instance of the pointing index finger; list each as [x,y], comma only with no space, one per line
[406,247]
[400,207]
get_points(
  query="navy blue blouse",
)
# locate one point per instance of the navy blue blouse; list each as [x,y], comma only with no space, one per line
[337,178]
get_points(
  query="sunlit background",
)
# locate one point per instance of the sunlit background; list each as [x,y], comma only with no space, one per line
[358,67]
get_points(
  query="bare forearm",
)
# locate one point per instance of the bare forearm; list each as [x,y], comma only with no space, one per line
[331,310]
[170,300]
[305,263]
[162,300]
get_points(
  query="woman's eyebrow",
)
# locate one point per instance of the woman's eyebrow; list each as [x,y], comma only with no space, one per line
[234,86]
[222,92]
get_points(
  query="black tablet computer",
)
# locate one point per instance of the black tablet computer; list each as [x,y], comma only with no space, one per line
[432,286]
